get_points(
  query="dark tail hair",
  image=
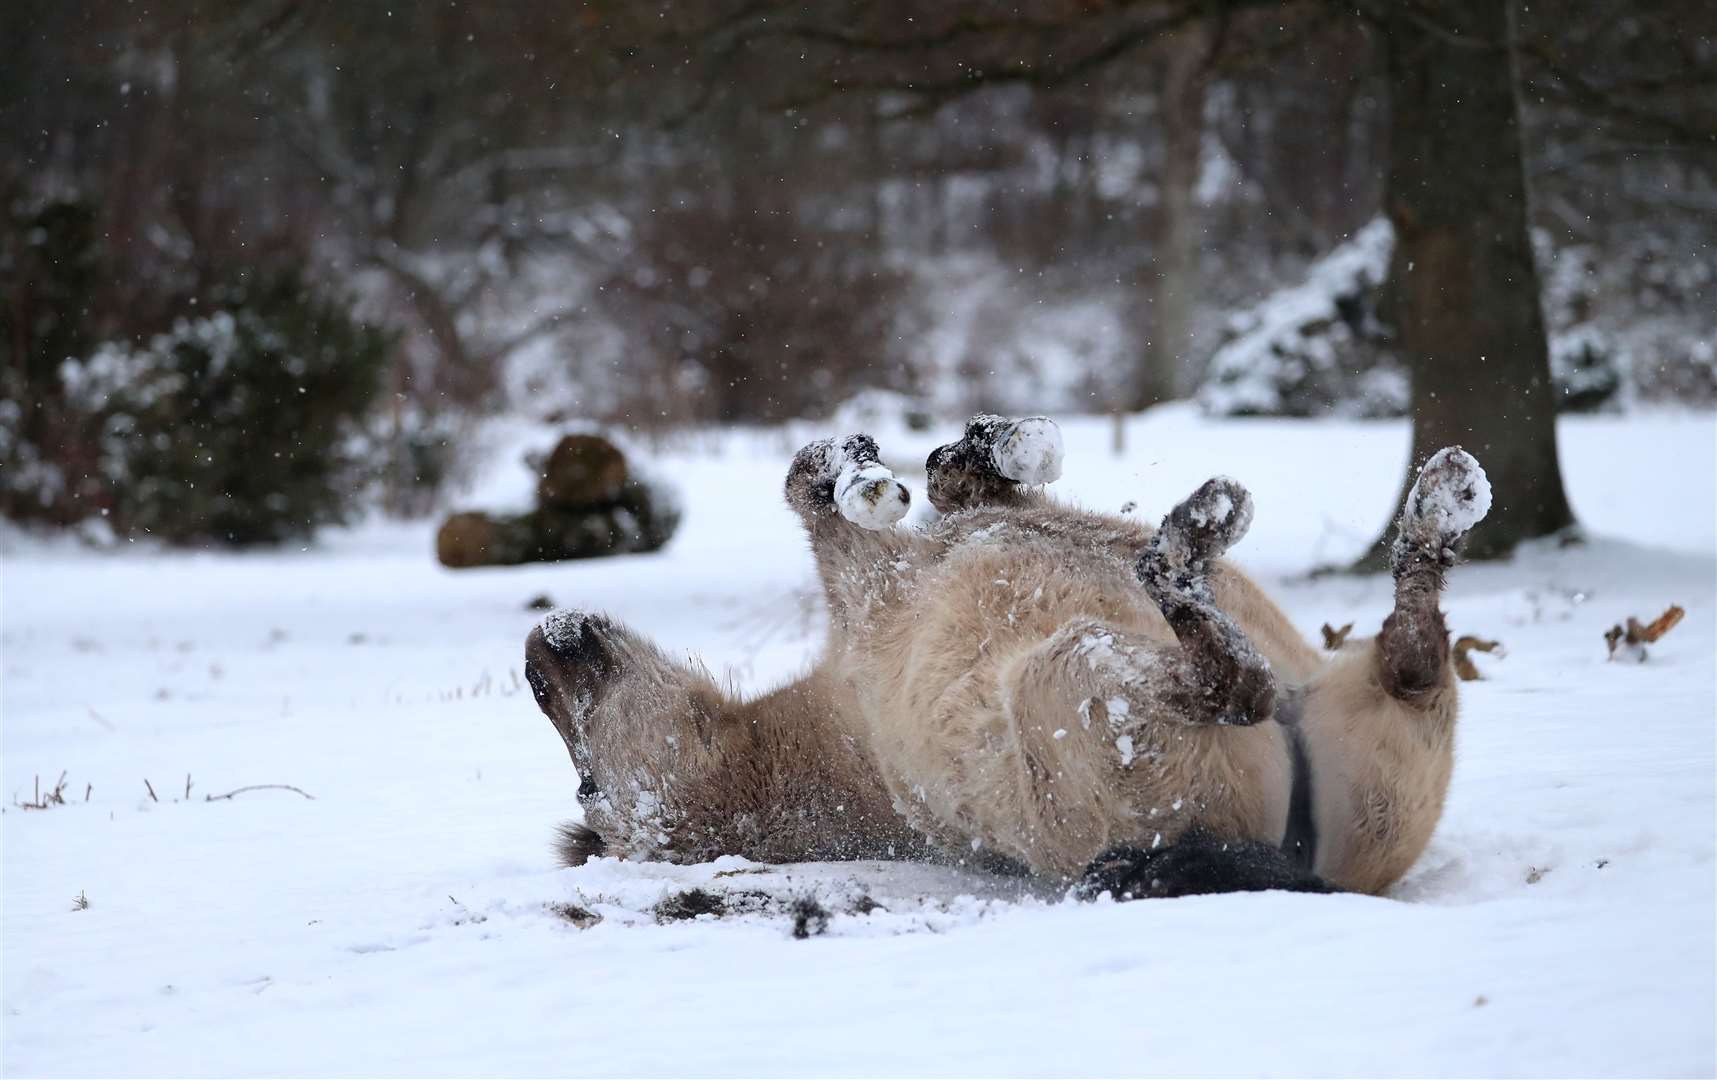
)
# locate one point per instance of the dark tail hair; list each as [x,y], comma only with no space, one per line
[577,844]
[1199,862]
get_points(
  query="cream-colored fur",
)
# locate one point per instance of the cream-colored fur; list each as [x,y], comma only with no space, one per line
[992,687]
[985,666]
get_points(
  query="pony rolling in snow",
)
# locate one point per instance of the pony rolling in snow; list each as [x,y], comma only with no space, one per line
[1034,687]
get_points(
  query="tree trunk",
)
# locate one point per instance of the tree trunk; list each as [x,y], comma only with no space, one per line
[1465,288]
[1177,240]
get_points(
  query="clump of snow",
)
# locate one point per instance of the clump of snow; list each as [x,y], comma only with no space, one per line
[1312,348]
[1217,511]
[1031,451]
[1227,507]
[561,628]
[1451,495]
[869,496]
[1124,744]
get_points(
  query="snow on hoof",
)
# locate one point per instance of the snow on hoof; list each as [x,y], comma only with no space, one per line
[1451,495]
[869,496]
[1206,523]
[865,491]
[1029,451]
[847,473]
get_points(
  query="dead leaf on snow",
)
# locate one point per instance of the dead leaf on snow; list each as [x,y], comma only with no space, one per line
[1333,638]
[1659,626]
[1629,643]
[1465,646]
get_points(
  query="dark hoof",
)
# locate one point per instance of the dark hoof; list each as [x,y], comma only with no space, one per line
[995,457]
[1209,521]
[1118,872]
[1450,496]
[1175,566]
[848,474]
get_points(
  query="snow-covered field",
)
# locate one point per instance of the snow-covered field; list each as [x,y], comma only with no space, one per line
[409,919]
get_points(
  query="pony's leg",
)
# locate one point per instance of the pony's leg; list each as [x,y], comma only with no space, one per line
[1224,679]
[1379,717]
[849,502]
[1450,496]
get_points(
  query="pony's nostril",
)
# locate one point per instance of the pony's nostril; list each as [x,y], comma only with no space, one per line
[586,788]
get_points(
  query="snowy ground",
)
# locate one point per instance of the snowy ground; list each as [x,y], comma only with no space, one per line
[409,920]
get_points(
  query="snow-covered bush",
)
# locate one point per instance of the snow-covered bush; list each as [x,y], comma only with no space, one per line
[1583,369]
[1317,347]
[50,264]
[1676,366]
[1026,354]
[1324,346]
[1656,311]
[1585,362]
[237,426]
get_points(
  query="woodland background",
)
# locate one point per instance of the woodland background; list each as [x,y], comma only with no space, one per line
[287,253]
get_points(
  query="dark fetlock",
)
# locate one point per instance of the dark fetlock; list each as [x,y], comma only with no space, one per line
[994,462]
[1233,683]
